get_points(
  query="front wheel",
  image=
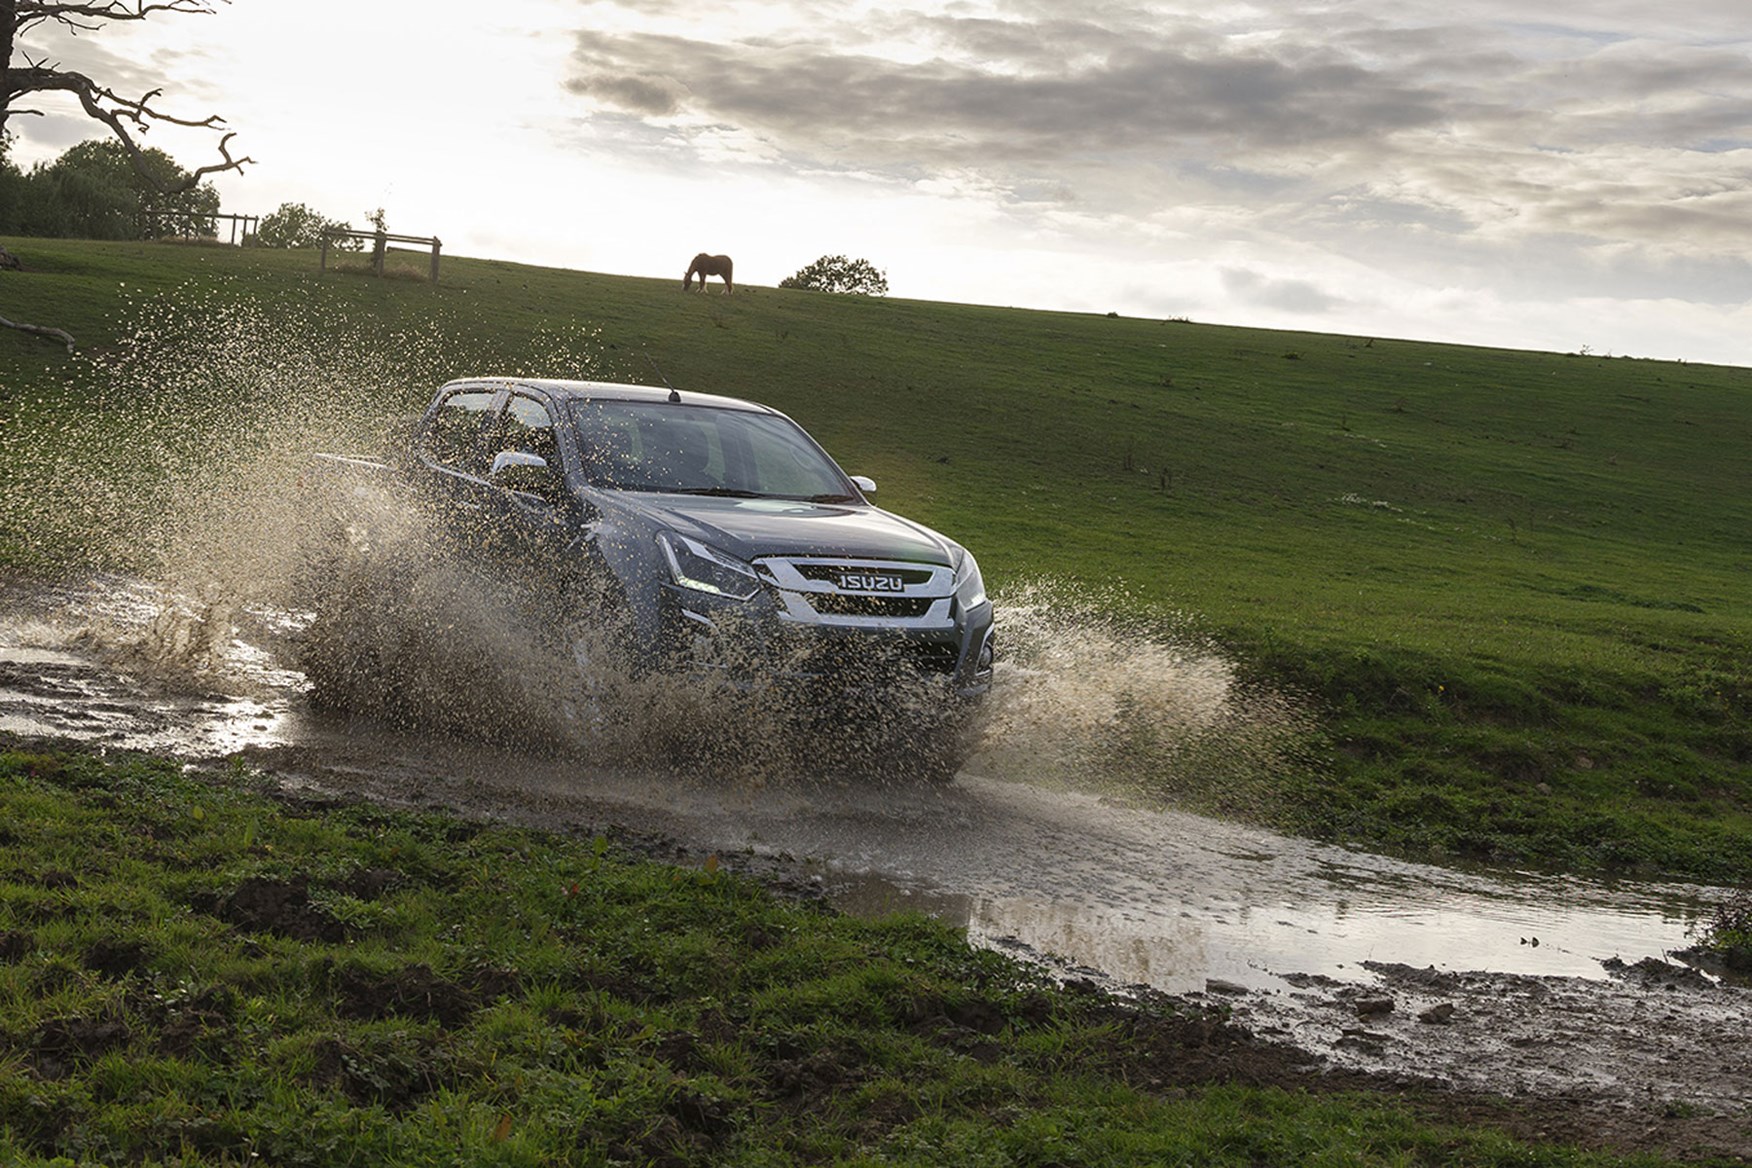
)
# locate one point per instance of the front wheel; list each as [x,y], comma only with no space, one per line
[595,648]
[934,754]
[592,668]
[908,735]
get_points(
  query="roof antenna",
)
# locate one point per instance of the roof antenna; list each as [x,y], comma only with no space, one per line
[674,394]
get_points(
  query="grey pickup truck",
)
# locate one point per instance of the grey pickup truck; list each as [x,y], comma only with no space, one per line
[708,535]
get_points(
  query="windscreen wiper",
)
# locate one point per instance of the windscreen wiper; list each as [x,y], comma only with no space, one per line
[718,492]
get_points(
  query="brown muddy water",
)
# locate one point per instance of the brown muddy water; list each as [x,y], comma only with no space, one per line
[1502,981]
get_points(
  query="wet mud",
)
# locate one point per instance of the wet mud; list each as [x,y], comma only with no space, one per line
[1553,1006]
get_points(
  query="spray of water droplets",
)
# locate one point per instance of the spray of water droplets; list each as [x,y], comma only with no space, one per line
[183,459]
[1097,691]
[180,456]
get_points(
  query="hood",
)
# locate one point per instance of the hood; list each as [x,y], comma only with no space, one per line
[751,528]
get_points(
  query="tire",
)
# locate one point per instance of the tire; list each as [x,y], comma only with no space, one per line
[934,755]
[595,656]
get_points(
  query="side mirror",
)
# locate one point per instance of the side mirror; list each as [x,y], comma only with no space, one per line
[864,483]
[519,470]
[508,458]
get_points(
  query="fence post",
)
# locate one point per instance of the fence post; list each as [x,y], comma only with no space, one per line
[436,244]
[325,243]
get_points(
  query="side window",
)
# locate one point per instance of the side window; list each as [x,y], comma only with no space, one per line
[453,431]
[530,428]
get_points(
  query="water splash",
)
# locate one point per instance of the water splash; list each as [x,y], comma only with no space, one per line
[1097,691]
[183,456]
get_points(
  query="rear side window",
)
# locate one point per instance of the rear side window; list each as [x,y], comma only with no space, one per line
[453,432]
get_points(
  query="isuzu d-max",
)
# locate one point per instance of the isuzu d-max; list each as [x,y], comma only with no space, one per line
[687,533]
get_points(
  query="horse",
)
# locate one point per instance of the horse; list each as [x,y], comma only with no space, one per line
[708,265]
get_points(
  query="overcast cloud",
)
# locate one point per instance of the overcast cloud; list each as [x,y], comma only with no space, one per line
[1448,169]
[1608,147]
[1320,117]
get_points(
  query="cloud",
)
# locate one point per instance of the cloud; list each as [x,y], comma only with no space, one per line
[1602,124]
[177,72]
[47,136]
[644,94]
[1250,287]
[1003,95]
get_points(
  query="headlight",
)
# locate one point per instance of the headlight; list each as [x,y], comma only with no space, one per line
[970,590]
[705,569]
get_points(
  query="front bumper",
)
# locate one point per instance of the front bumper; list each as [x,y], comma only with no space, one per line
[806,624]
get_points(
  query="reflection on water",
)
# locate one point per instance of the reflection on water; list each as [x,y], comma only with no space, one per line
[1120,944]
[87,663]
[1165,954]
[1171,900]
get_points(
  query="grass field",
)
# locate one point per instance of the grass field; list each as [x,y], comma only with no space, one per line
[196,973]
[1510,589]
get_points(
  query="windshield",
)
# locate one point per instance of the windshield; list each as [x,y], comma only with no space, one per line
[682,449]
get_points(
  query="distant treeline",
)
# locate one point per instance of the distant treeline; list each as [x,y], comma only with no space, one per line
[93,191]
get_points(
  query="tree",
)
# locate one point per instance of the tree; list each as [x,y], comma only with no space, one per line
[835,273]
[94,191]
[125,117]
[295,225]
[36,75]
[12,182]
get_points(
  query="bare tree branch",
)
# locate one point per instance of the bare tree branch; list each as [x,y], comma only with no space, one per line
[40,330]
[122,110]
[74,13]
[101,103]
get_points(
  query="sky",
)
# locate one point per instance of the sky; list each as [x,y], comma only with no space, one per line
[1573,176]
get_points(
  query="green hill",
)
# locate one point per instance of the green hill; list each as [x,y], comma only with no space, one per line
[1509,588]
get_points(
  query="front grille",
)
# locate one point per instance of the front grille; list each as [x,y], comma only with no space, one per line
[851,593]
[831,573]
[836,604]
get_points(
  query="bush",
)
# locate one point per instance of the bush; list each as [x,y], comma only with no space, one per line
[295,225]
[835,273]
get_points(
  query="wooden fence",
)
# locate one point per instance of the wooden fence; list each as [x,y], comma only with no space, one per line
[206,225]
[380,241]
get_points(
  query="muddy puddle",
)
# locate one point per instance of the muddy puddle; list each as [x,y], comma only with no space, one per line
[1491,980]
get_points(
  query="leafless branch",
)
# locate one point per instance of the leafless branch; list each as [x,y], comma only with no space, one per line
[75,13]
[41,331]
[101,104]
[37,78]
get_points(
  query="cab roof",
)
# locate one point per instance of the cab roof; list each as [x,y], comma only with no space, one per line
[565,390]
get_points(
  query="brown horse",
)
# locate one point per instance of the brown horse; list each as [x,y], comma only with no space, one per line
[709,265]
